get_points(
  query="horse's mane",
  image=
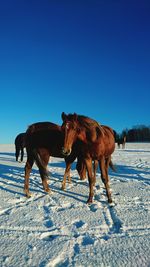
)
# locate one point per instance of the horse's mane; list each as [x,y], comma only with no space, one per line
[87,122]
[84,121]
[92,127]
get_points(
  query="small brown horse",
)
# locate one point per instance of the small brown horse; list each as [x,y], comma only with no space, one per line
[98,143]
[19,146]
[45,139]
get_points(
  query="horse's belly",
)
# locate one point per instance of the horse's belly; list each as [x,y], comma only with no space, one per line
[98,151]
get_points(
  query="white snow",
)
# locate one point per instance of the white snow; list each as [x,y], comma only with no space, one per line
[61,229]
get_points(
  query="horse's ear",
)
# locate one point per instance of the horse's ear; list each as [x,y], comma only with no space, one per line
[75,116]
[63,116]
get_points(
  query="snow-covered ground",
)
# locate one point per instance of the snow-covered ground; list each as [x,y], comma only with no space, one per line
[61,229]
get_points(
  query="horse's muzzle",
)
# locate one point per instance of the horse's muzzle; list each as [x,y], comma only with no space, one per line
[66,152]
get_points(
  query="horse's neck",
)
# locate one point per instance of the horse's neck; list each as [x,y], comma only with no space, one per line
[93,135]
[82,136]
[87,136]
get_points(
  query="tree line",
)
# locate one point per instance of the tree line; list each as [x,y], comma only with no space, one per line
[140,133]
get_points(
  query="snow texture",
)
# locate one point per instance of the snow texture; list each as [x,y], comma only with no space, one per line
[61,230]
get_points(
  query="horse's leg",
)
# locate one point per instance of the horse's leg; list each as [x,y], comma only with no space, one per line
[81,167]
[123,145]
[83,171]
[28,168]
[42,159]
[104,165]
[22,154]
[67,173]
[95,166]
[17,152]
[91,179]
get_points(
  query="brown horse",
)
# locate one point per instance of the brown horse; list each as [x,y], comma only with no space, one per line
[45,139]
[98,143]
[19,146]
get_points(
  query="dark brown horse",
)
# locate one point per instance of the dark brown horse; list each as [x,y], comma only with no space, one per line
[121,141]
[98,143]
[19,146]
[45,139]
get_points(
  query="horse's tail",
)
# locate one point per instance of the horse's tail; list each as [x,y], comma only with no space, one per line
[111,165]
[42,168]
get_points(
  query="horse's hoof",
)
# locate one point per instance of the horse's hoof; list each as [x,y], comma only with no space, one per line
[82,178]
[63,187]
[48,191]
[110,200]
[112,204]
[28,194]
[89,201]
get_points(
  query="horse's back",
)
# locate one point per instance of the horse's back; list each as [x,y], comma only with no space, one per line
[20,140]
[39,126]
[45,135]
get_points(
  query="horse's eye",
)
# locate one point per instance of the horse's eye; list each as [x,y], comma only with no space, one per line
[78,130]
[74,127]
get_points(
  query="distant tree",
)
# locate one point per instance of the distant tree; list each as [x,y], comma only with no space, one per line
[139,133]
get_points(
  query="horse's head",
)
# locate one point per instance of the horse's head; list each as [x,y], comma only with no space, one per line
[71,131]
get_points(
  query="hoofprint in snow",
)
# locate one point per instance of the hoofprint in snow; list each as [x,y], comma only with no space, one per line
[60,229]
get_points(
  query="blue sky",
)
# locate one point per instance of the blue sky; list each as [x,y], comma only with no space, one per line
[89,57]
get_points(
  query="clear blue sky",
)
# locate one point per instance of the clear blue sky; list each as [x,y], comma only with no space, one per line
[89,57]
